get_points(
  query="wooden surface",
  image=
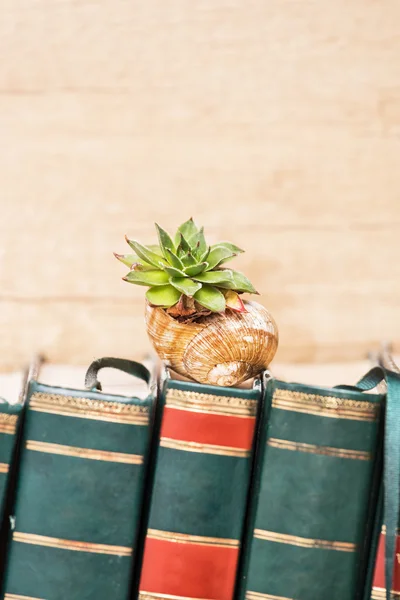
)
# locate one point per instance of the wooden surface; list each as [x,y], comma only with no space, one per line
[276,124]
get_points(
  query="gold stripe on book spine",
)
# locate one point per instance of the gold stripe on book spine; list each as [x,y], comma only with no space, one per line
[203,448]
[116,457]
[155,596]
[19,597]
[325,406]
[87,408]
[294,540]
[4,467]
[259,596]
[51,542]
[383,531]
[380,594]
[184,538]
[229,406]
[323,450]
[8,423]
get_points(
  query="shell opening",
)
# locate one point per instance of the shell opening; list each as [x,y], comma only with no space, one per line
[227,374]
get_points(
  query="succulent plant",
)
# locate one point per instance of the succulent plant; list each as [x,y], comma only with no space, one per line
[185,275]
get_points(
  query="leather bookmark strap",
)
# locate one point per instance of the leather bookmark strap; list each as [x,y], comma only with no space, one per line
[391,475]
[127,366]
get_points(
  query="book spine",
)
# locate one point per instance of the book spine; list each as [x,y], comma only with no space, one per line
[79,495]
[199,494]
[9,417]
[309,510]
[10,425]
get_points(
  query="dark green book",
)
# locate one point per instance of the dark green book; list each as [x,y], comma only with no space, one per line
[10,421]
[9,417]
[204,446]
[310,518]
[79,494]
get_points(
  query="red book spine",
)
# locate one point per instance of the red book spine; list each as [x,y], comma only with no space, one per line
[205,446]
[378,589]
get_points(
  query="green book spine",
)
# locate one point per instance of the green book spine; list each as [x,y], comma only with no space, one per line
[199,493]
[310,514]
[9,418]
[79,495]
[10,422]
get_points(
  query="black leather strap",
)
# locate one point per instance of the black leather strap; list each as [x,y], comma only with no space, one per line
[122,364]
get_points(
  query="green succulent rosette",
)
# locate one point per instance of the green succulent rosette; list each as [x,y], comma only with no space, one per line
[185,275]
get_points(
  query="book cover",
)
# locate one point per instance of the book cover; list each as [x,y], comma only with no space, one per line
[199,491]
[13,389]
[79,494]
[9,418]
[376,584]
[310,514]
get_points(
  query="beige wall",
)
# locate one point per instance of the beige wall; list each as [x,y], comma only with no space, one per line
[276,123]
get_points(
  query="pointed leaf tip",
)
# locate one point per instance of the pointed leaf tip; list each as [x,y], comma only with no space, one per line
[234,301]
[188,229]
[165,241]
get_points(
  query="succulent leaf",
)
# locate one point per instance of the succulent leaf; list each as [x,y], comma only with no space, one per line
[210,297]
[156,249]
[139,266]
[131,259]
[198,244]
[234,301]
[155,277]
[173,272]
[195,269]
[181,245]
[217,255]
[188,259]
[185,285]
[174,260]
[166,243]
[240,283]
[216,277]
[187,229]
[228,246]
[163,295]
[146,254]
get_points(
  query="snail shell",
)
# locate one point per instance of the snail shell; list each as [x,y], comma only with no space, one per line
[221,349]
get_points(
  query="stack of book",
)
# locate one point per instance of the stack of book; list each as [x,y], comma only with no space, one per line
[268,491]
[80,474]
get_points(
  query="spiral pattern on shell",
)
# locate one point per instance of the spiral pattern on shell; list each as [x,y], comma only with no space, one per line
[221,349]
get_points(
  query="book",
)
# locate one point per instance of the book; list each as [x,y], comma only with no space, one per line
[315,487]
[9,421]
[201,474]
[12,397]
[376,580]
[79,490]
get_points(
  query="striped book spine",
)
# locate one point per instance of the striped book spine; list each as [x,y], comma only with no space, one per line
[378,587]
[9,415]
[315,470]
[79,495]
[200,487]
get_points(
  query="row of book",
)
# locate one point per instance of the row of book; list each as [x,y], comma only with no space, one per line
[185,491]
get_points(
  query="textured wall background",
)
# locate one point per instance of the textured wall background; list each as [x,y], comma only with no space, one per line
[276,124]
